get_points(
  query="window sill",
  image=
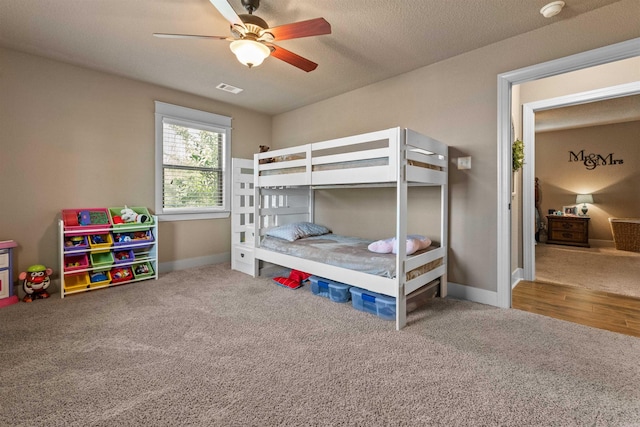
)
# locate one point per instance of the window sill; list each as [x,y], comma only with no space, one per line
[193,216]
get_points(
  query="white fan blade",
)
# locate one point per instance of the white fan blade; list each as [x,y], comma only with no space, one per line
[227,11]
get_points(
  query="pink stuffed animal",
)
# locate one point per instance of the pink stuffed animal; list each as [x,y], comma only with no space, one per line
[415,243]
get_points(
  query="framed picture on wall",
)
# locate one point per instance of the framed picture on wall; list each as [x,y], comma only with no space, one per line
[570,210]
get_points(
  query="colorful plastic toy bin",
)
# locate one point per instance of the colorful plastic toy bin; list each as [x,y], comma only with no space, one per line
[142,270]
[121,274]
[100,241]
[133,239]
[78,221]
[76,282]
[73,243]
[75,262]
[99,278]
[123,256]
[101,259]
[381,305]
[115,216]
[335,291]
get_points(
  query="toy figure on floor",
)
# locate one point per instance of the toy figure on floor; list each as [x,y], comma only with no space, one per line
[35,282]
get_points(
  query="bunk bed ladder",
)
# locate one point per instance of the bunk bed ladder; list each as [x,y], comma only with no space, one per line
[243,217]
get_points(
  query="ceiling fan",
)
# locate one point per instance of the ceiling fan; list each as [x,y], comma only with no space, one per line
[252,39]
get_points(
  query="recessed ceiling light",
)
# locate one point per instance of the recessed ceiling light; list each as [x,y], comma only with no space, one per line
[552,9]
[229,88]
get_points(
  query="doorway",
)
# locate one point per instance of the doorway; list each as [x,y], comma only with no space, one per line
[591,58]
[528,118]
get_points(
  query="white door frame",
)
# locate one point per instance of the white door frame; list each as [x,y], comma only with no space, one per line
[615,52]
[529,168]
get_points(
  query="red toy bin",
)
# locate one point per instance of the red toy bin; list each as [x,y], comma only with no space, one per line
[123,256]
[121,274]
[94,219]
[73,243]
[76,262]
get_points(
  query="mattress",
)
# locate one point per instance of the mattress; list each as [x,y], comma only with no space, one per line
[340,251]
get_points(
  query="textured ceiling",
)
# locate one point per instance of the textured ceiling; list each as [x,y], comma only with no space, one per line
[609,111]
[371,40]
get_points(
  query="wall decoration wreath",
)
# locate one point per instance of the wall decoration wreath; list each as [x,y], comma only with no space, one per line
[518,154]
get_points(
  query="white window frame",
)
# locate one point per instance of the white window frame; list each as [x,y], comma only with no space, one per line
[191,117]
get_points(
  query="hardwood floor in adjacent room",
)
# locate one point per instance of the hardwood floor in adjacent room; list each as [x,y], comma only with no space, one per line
[617,313]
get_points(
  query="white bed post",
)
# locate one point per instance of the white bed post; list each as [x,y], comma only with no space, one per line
[444,226]
[401,226]
[257,220]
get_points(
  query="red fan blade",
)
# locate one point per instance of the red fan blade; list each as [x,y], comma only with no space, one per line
[312,27]
[189,36]
[227,11]
[292,58]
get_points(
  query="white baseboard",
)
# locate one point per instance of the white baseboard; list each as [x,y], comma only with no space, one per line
[469,293]
[516,276]
[183,264]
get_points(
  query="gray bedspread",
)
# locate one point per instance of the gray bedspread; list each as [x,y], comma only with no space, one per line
[337,250]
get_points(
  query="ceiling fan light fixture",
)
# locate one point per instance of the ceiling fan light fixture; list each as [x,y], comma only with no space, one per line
[249,52]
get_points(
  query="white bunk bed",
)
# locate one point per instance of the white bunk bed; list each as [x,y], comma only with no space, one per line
[282,193]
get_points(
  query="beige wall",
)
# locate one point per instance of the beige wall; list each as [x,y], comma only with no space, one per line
[73,137]
[614,187]
[454,101]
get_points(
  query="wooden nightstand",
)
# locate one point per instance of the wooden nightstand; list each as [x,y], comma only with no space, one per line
[568,230]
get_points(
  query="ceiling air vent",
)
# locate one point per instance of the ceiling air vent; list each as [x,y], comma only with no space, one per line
[229,88]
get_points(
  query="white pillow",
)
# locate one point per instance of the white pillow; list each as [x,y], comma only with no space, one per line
[297,230]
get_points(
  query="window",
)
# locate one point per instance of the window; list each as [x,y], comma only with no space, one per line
[193,163]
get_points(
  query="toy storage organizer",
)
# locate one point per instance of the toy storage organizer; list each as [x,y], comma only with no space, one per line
[95,253]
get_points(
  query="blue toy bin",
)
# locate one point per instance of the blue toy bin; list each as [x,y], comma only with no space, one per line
[133,239]
[371,302]
[123,256]
[335,291]
[75,243]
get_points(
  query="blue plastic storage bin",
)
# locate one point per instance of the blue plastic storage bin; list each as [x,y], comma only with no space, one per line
[335,291]
[374,303]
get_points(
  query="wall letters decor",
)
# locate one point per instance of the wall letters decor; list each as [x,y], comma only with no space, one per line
[592,161]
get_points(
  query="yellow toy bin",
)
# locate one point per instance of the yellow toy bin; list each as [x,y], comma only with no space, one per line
[100,241]
[76,282]
[99,278]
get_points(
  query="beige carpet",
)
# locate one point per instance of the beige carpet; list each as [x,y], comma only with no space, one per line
[600,268]
[214,347]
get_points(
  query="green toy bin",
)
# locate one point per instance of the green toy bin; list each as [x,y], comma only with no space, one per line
[101,259]
[143,269]
[115,213]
